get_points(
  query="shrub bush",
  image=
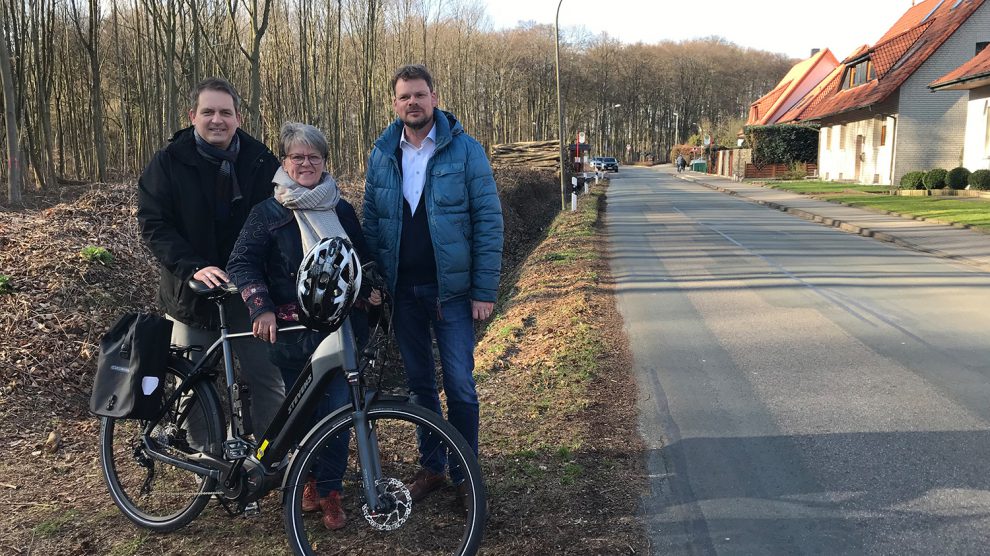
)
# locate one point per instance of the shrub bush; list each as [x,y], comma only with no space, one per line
[94,254]
[935,178]
[957,178]
[783,143]
[5,286]
[980,180]
[912,180]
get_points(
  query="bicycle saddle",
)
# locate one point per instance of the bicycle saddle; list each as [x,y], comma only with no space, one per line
[200,288]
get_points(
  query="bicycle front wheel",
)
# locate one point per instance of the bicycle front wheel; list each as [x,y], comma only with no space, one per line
[151,493]
[449,521]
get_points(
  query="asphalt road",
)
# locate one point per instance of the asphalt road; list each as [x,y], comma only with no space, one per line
[801,390]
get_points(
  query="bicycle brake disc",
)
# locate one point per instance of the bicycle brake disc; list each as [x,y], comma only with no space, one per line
[398,502]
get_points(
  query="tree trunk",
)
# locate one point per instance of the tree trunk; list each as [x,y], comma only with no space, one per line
[15,175]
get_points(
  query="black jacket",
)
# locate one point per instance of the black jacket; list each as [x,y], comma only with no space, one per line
[269,251]
[176,205]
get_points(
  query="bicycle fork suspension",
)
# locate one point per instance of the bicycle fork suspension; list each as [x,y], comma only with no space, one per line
[369,456]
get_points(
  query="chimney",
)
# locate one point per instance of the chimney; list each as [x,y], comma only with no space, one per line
[815,51]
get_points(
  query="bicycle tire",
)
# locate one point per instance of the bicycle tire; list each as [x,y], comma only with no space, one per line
[151,493]
[434,525]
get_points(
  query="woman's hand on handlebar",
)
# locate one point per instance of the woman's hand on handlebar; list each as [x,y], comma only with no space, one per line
[264,327]
[375,298]
[212,276]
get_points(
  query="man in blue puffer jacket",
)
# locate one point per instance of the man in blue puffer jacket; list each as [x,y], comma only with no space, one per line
[433,221]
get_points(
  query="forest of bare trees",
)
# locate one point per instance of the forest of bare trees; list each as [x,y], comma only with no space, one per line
[92,88]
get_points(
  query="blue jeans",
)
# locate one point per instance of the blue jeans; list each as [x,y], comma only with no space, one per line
[417,309]
[290,352]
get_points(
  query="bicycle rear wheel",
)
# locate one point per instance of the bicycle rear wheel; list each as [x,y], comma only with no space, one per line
[448,521]
[151,493]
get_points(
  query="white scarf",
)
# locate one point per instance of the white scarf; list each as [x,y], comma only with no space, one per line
[314,208]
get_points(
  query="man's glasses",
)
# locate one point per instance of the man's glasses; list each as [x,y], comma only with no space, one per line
[298,159]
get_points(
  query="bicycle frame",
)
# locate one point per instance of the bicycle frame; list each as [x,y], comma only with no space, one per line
[336,353]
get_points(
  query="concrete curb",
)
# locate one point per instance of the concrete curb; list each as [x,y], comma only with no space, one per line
[852,228]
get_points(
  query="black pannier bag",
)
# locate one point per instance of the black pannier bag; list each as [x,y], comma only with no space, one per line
[131,368]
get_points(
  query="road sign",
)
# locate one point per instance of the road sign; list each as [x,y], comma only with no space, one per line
[628,147]
[708,140]
[581,137]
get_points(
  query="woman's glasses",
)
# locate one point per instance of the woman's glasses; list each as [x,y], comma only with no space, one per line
[298,159]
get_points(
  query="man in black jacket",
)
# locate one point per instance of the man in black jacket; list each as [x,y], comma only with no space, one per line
[193,199]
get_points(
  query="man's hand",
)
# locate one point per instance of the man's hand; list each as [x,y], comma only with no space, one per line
[264,327]
[481,310]
[212,276]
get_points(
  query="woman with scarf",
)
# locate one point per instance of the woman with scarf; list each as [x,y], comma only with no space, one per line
[279,231]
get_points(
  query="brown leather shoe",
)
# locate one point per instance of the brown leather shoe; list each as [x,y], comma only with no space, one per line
[424,483]
[333,511]
[310,499]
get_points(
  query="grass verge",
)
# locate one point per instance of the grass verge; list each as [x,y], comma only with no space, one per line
[973,212]
[826,188]
[969,211]
[558,402]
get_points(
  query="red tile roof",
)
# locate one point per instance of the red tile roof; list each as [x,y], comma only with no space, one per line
[897,55]
[974,73]
[767,109]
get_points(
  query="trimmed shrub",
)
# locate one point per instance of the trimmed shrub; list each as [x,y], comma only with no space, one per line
[913,180]
[935,178]
[783,143]
[957,178]
[980,180]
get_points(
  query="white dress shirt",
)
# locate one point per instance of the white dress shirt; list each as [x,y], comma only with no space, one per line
[414,163]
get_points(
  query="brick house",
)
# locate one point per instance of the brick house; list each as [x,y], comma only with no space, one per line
[974,77]
[879,120]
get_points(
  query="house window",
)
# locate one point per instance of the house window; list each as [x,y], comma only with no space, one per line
[828,139]
[981,45]
[883,135]
[859,73]
[842,137]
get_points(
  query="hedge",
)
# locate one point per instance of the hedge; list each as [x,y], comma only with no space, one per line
[958,178]
[913,180]
[935,178]
[783,144]
[980,180]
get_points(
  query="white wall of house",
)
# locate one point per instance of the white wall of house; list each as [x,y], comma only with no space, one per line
[837,151]
[929,127]
[976,154]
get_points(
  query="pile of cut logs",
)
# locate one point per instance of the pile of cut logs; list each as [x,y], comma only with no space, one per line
[533,154]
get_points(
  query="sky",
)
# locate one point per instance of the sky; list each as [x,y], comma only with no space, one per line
[791,27]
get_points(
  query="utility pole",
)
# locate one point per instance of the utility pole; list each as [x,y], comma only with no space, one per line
[560,111]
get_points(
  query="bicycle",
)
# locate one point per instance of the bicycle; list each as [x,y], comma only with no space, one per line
[161,477]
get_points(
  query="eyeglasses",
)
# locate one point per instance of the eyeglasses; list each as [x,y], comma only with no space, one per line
[298,159]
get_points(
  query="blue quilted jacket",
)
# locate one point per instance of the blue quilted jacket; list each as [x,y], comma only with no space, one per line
[462,208]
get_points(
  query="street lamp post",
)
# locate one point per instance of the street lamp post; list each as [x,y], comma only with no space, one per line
[560,111]
[677,119]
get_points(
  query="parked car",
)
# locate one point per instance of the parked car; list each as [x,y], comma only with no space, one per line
[596,163]
[609,163]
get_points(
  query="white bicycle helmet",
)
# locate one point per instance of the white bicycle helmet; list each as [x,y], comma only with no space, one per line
[328,283]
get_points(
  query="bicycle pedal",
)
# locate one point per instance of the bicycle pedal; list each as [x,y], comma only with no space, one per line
[235,449]
[252,509]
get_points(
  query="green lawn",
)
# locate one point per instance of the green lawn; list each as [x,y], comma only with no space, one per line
[826,187]
[972,211]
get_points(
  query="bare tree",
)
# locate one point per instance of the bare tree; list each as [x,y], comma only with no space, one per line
[257,24]
[15,176]
[90,41]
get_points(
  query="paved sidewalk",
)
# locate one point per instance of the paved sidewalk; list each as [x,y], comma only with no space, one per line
[943,240]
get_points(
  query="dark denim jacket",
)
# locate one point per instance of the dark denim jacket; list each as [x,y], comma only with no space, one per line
[268,252]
